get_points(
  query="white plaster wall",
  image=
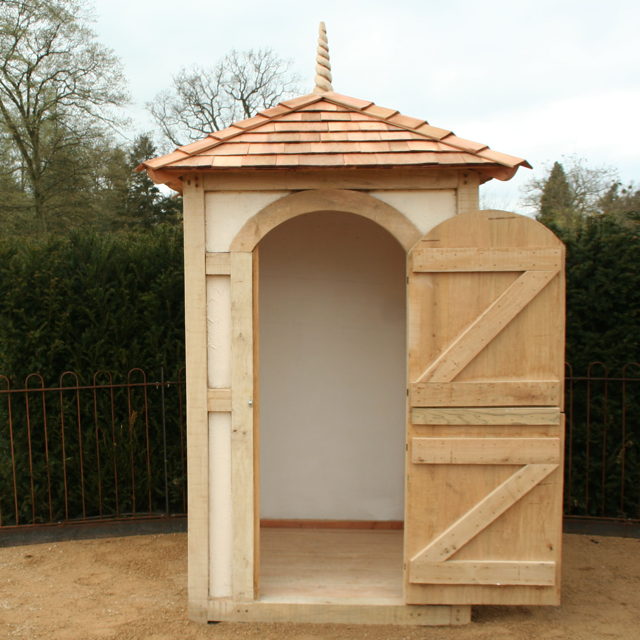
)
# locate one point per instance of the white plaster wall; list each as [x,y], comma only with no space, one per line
[425,209]
[227,211]
[332,370]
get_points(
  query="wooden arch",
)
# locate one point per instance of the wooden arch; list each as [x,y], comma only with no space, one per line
[340,200]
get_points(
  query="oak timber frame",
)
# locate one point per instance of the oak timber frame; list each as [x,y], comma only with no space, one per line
[308,192]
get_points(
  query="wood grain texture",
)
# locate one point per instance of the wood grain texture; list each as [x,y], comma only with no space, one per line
[477,336]
[378,525]
[296,611]
[345,576]
[219,400]
[471,259]
[269,178]
[242,447]
[485,323]
[490,573]
[486,416]
[256,419]
[468,194]
[542,393]
[485,450]
[196,382]
[218,264]
[483,513]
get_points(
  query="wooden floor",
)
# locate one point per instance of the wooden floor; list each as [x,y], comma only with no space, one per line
[331,566]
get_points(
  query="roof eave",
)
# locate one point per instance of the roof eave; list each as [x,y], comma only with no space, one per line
[173,176]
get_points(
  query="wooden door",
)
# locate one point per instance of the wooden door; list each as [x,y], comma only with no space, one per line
[483,517]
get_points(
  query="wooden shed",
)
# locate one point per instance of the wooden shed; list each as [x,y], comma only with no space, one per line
[374,371]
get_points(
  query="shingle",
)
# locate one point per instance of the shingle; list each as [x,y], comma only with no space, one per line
[380,112]
[502,158]
[165,160]
[199,146]
[272,112]
[406,121]
[330,129]
[355,103]
[301,101]
[250,123]
[433,132]
[461,143]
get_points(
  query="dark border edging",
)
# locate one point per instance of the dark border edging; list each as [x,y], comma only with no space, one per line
[601,527]
[63,531]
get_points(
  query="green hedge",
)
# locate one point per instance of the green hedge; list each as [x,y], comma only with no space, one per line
[88,302]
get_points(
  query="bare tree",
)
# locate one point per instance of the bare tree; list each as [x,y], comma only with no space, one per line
[203,100]
[585,186]
[56,82]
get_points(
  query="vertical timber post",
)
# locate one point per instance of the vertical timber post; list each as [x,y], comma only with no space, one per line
[196,383]
[242,446]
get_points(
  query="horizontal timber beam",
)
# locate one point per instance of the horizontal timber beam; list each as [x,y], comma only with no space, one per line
[532,573]
[473,259]
[485,450]
[499,416]
[521,393]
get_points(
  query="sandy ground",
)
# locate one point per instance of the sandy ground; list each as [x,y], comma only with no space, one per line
[131,588]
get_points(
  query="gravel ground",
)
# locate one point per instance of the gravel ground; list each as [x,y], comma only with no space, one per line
[135,588]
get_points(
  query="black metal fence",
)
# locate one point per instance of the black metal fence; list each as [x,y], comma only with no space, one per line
[602,465]
[80,451]
[115,447]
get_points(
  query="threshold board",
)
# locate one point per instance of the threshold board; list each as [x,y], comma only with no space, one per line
[348,576]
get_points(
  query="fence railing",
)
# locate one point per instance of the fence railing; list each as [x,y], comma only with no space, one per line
[115,447]
[104,449]
[602,466]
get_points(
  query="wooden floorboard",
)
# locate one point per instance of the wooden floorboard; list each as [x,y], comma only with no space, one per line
[331,566]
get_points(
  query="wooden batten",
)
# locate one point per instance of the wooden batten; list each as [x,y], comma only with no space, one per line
[303,179]
[219,400]
[489,573]
[486,416]
[345,613]
[508,393]
[218,264]
[470,259]
[512,451]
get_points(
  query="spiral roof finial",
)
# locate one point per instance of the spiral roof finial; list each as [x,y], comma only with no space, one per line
[323,64]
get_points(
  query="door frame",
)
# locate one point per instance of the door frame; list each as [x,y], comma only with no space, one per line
[244,276]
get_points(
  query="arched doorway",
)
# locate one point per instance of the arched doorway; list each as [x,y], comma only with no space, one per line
[332,397]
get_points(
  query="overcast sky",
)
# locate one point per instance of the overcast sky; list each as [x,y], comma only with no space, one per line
[537,79]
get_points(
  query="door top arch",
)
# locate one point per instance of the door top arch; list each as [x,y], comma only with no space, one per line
[490,228]
[339,200]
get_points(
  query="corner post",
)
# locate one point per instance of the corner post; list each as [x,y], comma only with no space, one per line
[196,383]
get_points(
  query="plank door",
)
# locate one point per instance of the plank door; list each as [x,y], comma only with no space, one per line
[483,517]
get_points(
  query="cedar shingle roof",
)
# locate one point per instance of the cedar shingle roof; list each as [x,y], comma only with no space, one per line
[330,130]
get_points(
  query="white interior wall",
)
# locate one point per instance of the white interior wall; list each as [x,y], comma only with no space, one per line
[332,370]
